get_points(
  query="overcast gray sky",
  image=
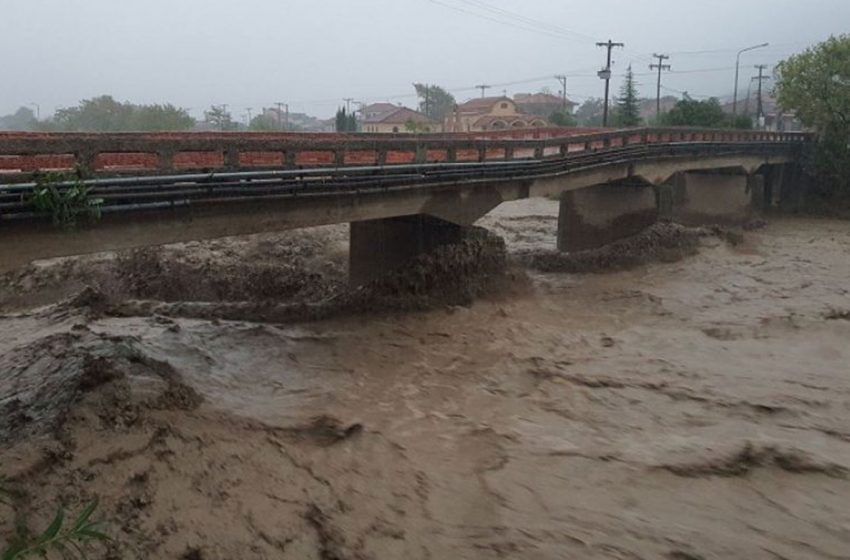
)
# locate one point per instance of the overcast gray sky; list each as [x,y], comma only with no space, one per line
[313,53]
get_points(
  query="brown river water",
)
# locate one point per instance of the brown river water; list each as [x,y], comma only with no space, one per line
[696,409]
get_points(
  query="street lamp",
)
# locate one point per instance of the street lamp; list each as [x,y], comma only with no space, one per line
[737,67]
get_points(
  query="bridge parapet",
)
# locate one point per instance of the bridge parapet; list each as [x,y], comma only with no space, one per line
[22,154]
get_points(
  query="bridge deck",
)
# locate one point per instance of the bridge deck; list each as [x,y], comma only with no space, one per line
[157,209]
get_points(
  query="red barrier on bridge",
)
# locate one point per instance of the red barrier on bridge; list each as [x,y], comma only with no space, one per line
[22,153]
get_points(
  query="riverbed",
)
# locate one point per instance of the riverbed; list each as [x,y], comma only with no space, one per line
[696,409]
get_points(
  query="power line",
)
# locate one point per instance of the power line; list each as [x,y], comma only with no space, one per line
[524,27]
[527,20]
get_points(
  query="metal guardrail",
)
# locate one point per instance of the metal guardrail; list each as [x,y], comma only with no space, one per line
[128,194]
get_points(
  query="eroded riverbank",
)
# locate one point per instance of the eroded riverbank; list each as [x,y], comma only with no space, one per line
[692,409]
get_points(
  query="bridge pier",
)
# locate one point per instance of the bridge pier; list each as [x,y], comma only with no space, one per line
[378,247]
[785,185]
[595,216]
[699,198]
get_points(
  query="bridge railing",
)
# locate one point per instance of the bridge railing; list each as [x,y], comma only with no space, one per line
[22,154]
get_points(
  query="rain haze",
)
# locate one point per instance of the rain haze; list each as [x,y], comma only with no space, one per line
[393,279]
[254,53]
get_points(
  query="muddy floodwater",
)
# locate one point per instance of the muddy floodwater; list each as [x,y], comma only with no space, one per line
[696,409]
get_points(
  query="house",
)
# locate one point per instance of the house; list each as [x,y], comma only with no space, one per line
[774,118]
[543,104]
[386,118]
[491,113]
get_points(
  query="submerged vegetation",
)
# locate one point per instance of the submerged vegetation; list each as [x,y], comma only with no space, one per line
[66,540]
[65,198]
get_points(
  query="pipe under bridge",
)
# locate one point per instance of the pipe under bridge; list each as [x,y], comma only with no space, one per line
[412,194]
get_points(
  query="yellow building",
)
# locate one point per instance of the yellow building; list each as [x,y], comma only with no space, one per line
[385,118]
[490,113]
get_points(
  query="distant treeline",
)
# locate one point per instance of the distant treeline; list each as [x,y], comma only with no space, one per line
[105,114]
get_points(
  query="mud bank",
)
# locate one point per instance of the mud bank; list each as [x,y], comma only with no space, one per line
[689,409]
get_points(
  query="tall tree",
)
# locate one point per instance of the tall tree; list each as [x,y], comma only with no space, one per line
[219,117]
[22,119]
[434,101]
[345,122]
[627,111]
[815,84]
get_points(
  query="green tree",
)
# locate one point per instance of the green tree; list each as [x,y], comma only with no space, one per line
[345,122]
[562,118]
[815,84]
[98,114]
[219,117]
[703,114]
[627,110]
[22,119]
[435,102]
[160,117]
[590,112]
[105,114]
[265,122]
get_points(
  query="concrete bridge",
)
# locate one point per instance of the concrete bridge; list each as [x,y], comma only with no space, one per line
[403,195]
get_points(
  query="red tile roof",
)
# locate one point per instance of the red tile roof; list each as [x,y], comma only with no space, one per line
[481,105]
[400,115]
[539,99]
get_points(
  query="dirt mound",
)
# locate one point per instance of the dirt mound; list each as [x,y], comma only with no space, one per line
[661,242]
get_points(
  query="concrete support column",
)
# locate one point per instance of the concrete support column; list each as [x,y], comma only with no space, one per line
[756,185]
[381,246]
[597,215]
[700,198]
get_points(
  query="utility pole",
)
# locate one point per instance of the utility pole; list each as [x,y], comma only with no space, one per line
[737,67]
[563,79]
[761,78]
[280,125]
[348,101]
[605,74]
[223,115]
[483,88]
[661,67]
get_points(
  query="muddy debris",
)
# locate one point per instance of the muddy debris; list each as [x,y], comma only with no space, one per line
[455,274]
[667,412]
[753,456]
[662,242]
